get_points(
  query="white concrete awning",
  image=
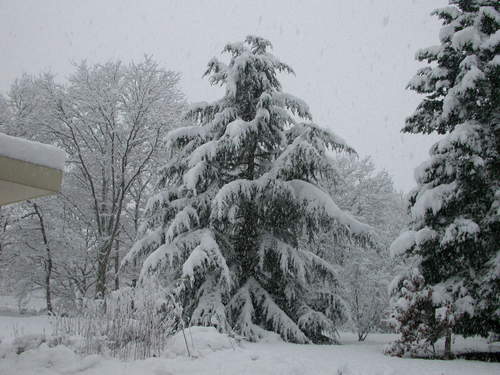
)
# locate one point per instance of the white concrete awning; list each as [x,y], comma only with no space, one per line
[28,169]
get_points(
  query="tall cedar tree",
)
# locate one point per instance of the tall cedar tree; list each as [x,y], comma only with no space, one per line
[239,190]
[455,233]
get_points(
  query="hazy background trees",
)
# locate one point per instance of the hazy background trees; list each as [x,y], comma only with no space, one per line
[367,268]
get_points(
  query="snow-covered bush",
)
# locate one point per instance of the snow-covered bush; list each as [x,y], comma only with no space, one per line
[198,341]
[234,200]
[28,342]
[413,316]
[131,323]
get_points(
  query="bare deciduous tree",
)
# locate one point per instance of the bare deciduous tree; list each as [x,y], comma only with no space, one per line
[110,119]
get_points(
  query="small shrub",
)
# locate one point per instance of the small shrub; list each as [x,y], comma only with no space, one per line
[131,323]
[28,342]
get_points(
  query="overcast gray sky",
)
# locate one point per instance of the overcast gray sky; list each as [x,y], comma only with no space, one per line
[352,58]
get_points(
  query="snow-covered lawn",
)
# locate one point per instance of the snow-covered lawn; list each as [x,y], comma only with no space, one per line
[32,304]
[220,355]
[15,326]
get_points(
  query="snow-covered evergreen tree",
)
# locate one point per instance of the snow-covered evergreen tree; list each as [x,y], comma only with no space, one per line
[233,201]
[455,232]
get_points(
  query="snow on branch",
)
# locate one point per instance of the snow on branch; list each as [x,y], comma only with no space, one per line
[229,194]
[301,160]
[195,175]
[275,316]
[403,243]
[432,199]
[429,53]
[242,312]
[251,297]
[181,136]
[222,118]
[239,130]
[491,43]
[408,239]
[210,310]
[295,105]
[290,260]
[317,261]
[157,261]
[319,137]
[466,134]
[217,71]
[454,298]
[316,323]
[150,240]
[258,44]
[205,152]
[468,36]
[318,200]
[460,230]
[448,13]
[203,112]
[184,221]
[207,254]
[234,48]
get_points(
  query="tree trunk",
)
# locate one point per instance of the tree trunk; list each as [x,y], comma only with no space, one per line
[47,262]
[48,292]
[4,228]
[102,270]
[447,345]
[117,265]
[251,162]
[362,336]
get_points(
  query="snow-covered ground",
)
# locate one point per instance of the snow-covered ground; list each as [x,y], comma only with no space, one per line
[218,354]
[15,326]
[31,305]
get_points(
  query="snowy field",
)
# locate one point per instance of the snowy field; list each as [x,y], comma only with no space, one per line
[217,354]
[32,305]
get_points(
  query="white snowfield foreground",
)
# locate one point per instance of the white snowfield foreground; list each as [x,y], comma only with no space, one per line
[28,169]
[217,354]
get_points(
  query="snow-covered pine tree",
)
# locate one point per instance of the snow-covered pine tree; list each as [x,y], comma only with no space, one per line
[235,197]
[455,208]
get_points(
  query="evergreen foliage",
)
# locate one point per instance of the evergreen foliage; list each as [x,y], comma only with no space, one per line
[455,233]
[239,191]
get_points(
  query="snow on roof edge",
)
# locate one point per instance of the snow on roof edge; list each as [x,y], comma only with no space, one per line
[32,152]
